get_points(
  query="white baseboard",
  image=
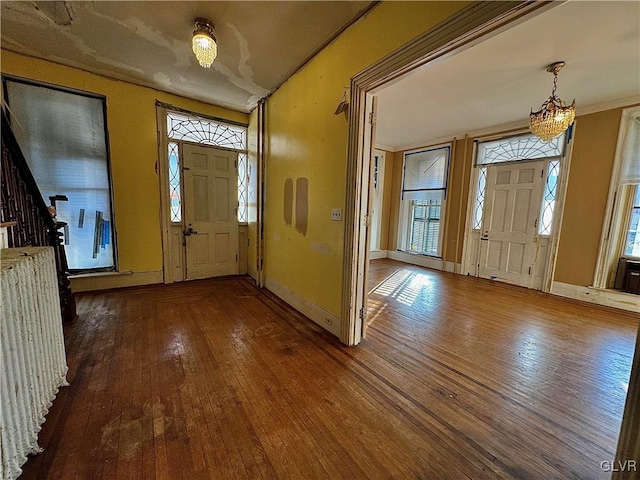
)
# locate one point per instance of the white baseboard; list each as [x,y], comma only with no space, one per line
[419,260]
[609,298]
[319,315]
[107,280]
[452,267]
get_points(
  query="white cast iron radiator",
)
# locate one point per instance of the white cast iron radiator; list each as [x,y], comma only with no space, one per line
[33,364]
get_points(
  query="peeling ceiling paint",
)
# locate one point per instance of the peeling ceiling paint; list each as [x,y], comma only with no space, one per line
[149,43]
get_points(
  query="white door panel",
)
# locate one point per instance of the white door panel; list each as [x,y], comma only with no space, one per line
[508,242]
[211,241]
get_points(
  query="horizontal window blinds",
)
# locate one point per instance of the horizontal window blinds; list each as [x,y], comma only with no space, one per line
[630,173]
[62,136]
[425,170]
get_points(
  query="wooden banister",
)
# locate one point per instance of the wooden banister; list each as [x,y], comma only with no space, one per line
[23,204]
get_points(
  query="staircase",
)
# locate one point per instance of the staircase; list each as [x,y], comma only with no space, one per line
[25,218]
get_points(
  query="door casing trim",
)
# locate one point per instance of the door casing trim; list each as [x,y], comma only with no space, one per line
[466,28]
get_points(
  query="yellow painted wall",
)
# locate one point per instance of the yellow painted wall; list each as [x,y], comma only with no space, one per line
[131,119]
[305,140]
[587,191]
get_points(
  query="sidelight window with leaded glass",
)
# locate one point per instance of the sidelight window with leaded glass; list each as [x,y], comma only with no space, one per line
[520,148]
[549,198]
[174,183]
[182,127]
[478,205]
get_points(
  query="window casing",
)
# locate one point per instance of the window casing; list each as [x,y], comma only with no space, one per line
[63,136]
[630,191]
[424,188]
[620,229]
[632,240]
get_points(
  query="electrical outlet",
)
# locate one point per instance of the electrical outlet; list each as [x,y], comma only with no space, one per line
[336,214]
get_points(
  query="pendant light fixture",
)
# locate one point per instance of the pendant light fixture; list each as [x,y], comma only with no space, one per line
[204,42]
[554,116]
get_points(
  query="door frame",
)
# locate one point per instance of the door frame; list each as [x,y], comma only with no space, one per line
[162,170]
[471,25]
[468,263]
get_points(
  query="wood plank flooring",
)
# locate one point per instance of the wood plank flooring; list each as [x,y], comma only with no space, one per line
[458,378]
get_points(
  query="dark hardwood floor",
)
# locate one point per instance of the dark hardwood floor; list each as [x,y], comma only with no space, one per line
[458,378]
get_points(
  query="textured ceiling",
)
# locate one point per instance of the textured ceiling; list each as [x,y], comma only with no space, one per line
[497,81]
[149,43]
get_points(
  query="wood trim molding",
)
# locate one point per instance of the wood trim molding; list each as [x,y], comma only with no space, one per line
[466,28]
[498,130]
[599,296]
[627,463]
[109,280]
[378,254]
[608,245]
[313,311]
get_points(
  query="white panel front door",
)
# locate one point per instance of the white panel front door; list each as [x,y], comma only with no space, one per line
[211,200]
[508,242]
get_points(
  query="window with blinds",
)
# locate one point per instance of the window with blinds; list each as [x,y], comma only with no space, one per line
[424,188]
[62,135]
[630,185]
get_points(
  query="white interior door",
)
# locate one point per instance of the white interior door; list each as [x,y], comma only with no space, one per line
[508,241]
[211,201]
[365,213]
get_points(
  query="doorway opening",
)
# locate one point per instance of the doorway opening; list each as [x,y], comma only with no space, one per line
[204,178]
[516,195]
[470,27]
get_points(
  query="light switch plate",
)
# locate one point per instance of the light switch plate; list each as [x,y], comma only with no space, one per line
[336,214]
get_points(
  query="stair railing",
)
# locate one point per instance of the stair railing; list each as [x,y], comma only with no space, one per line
[29,221]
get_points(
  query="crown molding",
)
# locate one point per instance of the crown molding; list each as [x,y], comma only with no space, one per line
[521,124]
[386,148]
[608,105]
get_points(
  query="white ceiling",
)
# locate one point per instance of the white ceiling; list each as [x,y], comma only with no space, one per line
[149,43]
[496,82]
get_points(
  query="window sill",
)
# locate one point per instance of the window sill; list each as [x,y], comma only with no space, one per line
[100,274]
[418,254]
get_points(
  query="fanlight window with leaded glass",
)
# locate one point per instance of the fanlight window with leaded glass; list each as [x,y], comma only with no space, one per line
[518,148]
[182,127]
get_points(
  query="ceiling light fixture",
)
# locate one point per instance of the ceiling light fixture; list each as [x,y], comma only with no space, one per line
[554,116]
[204,42]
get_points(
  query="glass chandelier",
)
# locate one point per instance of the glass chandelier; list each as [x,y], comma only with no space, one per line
[554,116]
[204,42]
